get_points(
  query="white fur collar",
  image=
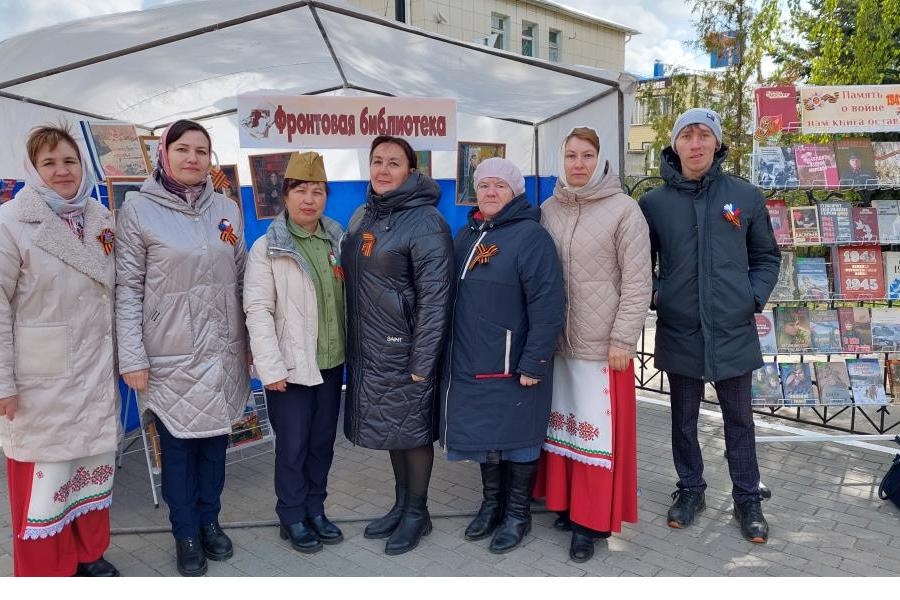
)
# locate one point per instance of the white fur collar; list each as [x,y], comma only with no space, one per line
[55,237]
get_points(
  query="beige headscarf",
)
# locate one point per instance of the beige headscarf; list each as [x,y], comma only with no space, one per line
[593,185]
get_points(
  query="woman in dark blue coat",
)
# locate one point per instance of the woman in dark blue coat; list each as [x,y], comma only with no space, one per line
[508,312]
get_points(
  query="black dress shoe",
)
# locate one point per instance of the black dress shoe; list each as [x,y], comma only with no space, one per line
[191,560]
[99,568]
[325,530]
[216,544]
[581,549]
[303,539]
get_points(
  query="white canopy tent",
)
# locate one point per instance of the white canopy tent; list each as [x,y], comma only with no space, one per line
[191,60]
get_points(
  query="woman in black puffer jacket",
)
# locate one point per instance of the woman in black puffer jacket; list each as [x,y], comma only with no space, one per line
[398,259]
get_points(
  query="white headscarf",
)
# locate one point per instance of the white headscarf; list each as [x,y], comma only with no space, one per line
[72,207]
[593,184]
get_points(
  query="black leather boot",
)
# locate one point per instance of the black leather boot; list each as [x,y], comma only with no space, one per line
[384,526]
[216,544]
[517,519]
[190,557]
[414,523]
[491,511]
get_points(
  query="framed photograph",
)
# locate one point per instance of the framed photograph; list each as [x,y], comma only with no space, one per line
[6,189]
[232,189]
[423,159]
[118,149]
[149,145]
[469,155]
[267,176]
[117,187]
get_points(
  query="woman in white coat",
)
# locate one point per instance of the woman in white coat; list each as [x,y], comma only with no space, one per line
[58,397]
[294,300]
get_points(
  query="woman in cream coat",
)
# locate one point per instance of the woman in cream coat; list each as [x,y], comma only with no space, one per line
[294,300]
[58,396]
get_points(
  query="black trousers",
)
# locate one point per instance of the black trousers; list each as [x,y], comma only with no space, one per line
[193,477]
[740,437]
[304,419]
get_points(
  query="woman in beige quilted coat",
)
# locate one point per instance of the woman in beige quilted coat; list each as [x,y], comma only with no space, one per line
[181,333]
[588,468]
[59,408]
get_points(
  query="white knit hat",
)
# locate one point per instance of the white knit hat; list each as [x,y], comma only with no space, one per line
[502,169]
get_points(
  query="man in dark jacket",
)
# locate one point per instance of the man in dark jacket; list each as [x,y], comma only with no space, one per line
[716,262]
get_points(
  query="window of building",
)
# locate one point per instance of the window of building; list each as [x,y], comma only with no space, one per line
[529,34]
[499,28]
[554,40]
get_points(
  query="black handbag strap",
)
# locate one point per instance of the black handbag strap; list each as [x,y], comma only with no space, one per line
[893,470]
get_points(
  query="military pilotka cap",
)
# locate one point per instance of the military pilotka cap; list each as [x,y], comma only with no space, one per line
[306,166]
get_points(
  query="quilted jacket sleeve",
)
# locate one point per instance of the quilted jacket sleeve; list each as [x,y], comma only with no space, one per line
[9,277]
[540,274]
[259,305]
[633,254]
[431,254]
[131,270]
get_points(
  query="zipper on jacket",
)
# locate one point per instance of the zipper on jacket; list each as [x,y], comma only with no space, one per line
[450,348]
[569,280]
[506,354]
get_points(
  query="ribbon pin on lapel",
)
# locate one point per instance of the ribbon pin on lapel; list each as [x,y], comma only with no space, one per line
[106,238]
[732,215]
[227,232]
[335,266]
[368,244]
[483,255]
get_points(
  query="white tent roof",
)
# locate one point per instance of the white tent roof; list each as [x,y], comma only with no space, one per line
[191,60]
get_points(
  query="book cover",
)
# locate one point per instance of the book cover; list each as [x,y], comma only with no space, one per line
[775,167]
[834,222]
[797,384]
[765,386]
[856,162]
[792,329]
[816,166]
[812,278]
[825,330]
[856,329]
[866,380]
[887,161]
[888,220]
[893,371]
[765,329]
[859,274]
[891,274]
[778,216]
[865,223]
[776,111]
[885,329]
[833,382]
[786,287]
[805,225]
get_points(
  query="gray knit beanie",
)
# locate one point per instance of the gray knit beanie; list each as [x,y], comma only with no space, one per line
[698,116]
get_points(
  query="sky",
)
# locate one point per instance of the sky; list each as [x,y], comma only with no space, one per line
[664,25]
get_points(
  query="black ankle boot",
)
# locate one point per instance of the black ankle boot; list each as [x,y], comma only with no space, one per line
[491,511]
[414,524]
[517,519]
[384,526]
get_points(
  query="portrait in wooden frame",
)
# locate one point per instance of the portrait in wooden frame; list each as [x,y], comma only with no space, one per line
[117,148]
[232,189]
[149,145]
[423,162]
[117,187]
[469,155]
[267,176]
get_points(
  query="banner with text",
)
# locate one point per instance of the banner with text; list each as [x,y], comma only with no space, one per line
[271,121]
[850,108]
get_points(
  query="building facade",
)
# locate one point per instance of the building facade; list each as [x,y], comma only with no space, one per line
[537,28]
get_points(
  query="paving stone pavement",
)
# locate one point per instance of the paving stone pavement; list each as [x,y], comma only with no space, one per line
[825,517]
